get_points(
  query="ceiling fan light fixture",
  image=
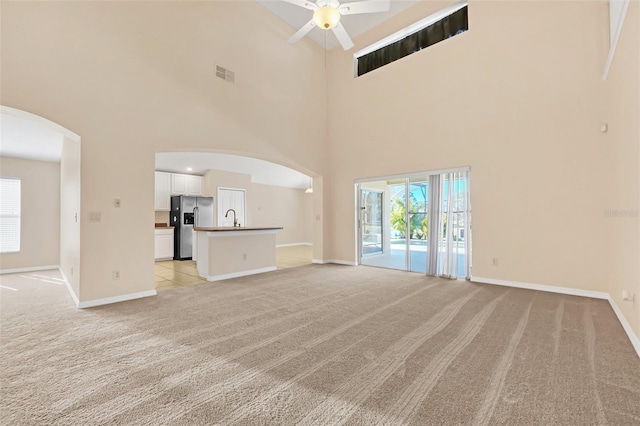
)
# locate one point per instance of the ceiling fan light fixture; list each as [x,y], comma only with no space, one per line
[326,17]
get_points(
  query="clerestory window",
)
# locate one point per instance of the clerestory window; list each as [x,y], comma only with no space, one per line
[433,29]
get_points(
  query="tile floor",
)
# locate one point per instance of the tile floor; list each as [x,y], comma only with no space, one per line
[175,273]
[290,257]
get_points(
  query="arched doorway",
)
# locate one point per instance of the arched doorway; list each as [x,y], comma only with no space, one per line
[27,140]
[265,194]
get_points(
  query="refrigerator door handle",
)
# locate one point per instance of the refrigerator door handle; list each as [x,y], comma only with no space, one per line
[195,216]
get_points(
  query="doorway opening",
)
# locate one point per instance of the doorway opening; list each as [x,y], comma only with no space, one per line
[44,159]
[249,191]
[416,222]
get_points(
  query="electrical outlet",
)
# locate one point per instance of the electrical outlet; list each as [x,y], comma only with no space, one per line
[494,261]
[115,275]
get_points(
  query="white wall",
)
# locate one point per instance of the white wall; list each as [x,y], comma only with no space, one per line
[40,213]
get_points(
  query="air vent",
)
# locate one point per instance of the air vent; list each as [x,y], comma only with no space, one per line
[225,74]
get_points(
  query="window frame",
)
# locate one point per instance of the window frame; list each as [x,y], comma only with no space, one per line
[17,214]
[407,31]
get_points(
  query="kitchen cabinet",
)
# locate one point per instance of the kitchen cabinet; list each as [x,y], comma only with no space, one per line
[164,244]
[194,185]
[163,191]
[186,184]
[178,184]
[168,184]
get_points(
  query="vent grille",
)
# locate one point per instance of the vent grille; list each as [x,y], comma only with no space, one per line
[225,74]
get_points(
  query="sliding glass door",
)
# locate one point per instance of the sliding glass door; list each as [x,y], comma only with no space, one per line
[417,223]
[381,224]
[371,222]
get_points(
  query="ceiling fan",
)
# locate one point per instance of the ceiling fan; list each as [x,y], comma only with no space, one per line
[326,15]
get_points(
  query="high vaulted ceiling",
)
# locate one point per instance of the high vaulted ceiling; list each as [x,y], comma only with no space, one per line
[354,24]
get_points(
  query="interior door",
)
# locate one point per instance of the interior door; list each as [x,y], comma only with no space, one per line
[231,199]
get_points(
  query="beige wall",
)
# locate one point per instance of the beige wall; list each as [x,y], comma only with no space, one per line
[113,74]
[287,207]
[520,105]
[70,213]
[162,217]
[518,100]
[320,232]
[214,179]
[623,176]
[268,205]
[40,215]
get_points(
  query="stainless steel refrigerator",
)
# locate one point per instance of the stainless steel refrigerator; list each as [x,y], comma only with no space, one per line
[187,212]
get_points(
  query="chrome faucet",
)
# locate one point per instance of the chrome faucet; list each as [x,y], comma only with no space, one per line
[235,221]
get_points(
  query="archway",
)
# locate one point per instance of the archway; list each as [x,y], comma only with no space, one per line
[69,189]
[274,194]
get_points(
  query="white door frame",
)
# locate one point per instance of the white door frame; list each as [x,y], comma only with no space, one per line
[243,219]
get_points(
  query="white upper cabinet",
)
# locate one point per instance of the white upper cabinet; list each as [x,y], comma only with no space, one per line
[186,184]
[178,184]
[168,184]
[194,185]
[163,189]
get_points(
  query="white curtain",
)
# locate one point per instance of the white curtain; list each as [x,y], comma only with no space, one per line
[449,225]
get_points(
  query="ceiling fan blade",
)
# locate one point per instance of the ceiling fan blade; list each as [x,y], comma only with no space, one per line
[302,32]
[303,3]
[342,36]
[369,6]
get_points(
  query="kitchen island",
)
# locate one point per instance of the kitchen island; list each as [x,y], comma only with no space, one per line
[230,252]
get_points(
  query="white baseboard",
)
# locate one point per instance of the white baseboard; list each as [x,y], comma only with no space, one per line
[73,294]
[116,299]
[293,245]
[635,342]
[625,324]
[335,261]
[240,274]
[31,269]
[543,287]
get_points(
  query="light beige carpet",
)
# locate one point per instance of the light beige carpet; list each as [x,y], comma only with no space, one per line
[316,345]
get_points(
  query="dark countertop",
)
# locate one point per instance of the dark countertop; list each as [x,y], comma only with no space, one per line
[242,228]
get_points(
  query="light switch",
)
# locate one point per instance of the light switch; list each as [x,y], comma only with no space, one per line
[95,216]
[117,202]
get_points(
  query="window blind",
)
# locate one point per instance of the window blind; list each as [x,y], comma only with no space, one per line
[10,209]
